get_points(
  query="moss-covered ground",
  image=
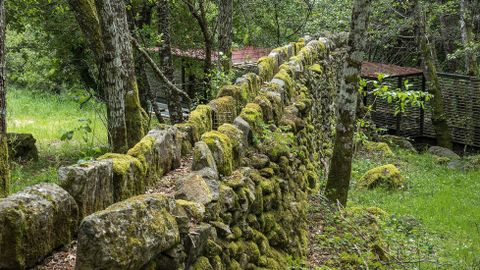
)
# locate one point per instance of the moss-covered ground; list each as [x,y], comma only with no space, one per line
[434,223]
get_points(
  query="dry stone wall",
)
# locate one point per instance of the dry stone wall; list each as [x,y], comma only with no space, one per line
[258,150]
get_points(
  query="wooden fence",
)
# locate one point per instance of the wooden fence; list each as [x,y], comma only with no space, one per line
[462,106]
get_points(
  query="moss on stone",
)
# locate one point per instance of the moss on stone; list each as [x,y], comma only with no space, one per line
[140,149]
[266,68]
[202,263]
[122,163]
[287,79]
[236,138]
[222,150]
[224,108]
[380,148]
[193,209]
[387,176]
[266,106]
[316,68]
[252,113]
[201,118]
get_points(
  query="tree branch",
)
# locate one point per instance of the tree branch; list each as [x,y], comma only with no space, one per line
[158,72]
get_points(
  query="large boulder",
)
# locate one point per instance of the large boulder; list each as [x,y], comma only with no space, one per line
[22,146]
[127,235]
[35,222]
[387,176]
[443,152]
[90,184]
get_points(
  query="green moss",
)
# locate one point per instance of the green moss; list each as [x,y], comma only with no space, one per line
[266,68]
[237,232]
[387,176]
[378,148]
[252,113]
[224,108]
[237,92]
[124,186]
[122,163]
[201,118]
[316,68]
[222,150]
[236,137]
[287,79]
[140,149]
[202,263]
[251,249]
[266,106]
[194,210]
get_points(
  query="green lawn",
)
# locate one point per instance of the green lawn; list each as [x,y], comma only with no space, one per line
[446,201]
[48,117]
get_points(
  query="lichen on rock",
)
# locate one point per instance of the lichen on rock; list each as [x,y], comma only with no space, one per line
[222,150]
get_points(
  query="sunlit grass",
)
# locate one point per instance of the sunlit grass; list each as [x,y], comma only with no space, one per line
[47,117]
[447,201]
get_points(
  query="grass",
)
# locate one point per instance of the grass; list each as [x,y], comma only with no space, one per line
[48,117]
[446,201]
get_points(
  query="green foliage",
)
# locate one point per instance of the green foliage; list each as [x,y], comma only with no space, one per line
[47,116]
[360,237]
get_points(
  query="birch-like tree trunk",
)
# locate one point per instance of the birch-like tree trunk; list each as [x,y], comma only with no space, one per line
[225,18]
[4,166]
[439,117]
[166,60]
[341,165]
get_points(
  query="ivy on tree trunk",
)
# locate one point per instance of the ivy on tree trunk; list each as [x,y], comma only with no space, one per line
[341,164]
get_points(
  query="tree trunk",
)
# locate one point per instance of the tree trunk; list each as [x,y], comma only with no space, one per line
[341,165]
[471,64]
[112,77]
[104,23]
[166,60]
[4,166]
[225,17]
[439,118]
[201,17]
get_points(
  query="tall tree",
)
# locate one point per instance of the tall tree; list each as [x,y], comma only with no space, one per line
[341,165]
[199,9]
[466,29]
[439,118]
[4,168]
[104,23]
[166,60]
[225,23]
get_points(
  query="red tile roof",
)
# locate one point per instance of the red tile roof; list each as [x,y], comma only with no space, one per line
[371,70]
[239,56]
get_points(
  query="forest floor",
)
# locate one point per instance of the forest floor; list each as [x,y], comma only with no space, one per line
[433,224]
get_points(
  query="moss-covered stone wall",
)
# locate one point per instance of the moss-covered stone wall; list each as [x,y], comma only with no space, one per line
[244,205]
[258,150]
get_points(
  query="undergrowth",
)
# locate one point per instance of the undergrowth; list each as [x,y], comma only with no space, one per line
[49,117]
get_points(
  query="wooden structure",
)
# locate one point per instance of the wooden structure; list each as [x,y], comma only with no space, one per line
[460,93]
